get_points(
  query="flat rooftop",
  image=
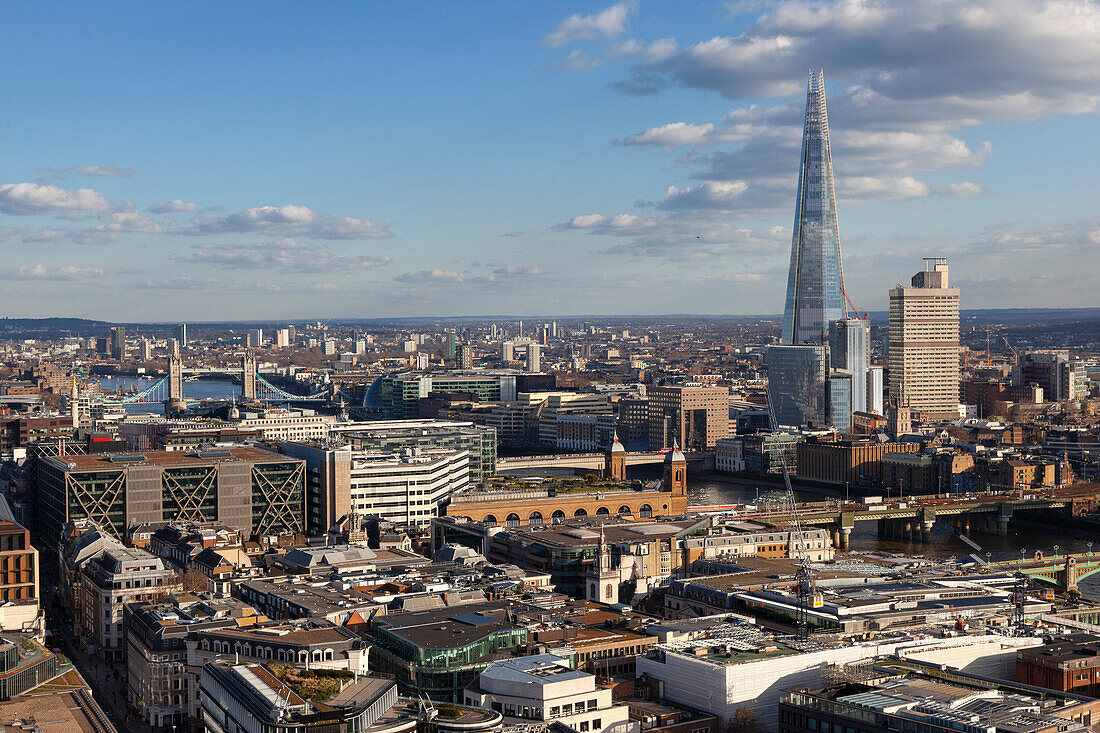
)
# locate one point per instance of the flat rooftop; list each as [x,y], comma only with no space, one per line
[166,459]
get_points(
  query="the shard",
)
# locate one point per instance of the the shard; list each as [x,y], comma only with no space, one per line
[816,280]
[818,374]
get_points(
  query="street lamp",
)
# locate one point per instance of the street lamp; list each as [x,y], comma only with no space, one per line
[1089,544]
[1056,550]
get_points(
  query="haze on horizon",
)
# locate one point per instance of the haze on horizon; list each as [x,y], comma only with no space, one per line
[213,162]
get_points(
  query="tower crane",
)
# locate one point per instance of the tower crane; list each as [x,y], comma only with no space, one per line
[1015,354]
[847,299]
[804,575]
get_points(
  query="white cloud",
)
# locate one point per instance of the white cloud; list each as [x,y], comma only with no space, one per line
[173,206]
[860,189]
[964,189]
[102,171]
[25,199]
[286,255]
[707,195]
[609,23]
[131,221]
[40,272]
[288,220]
[577,60]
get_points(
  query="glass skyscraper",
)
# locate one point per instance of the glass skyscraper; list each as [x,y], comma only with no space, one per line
[819,373]
[816,279]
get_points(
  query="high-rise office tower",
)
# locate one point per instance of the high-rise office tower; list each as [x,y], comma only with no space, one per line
[118,342]
[508,351]
[850,357]
[450,344]
[181,334]
[806,383]
[924,344]
[815,281]
[534,363]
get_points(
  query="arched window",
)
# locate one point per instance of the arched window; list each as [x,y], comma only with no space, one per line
[607,592]
[535,519]
[489,519]
[646,511]
[624,511]
[512,520]
[603,512]
[558,516]
[328,655]
[580,513]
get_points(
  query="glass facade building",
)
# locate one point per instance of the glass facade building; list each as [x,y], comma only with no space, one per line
[816,279]
[796,384]
[850,351]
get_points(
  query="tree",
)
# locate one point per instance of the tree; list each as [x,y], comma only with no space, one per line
[591,478]
[744,721]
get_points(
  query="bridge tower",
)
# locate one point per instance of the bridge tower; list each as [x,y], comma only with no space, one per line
[1069,575]
[175,379]
[248,375]
[675,471]
[614,461]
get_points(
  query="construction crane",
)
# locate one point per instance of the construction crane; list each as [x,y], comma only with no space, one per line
[861,316]
[804,575]
[1015,354]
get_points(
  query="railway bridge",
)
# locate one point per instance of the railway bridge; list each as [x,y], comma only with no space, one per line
[913,518]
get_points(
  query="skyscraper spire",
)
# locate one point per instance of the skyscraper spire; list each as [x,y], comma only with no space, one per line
[816,279]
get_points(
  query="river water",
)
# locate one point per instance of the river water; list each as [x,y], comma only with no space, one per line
[711,490]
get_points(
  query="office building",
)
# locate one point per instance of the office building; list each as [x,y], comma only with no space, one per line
[1059,376]
[850,354]
[805,383]
[253,698]
[450,344]
[330,347]
[146,353]
[815,281]
[118,343]
[908,697]
[406,487]
[534,362]
[479,441]
[282,338]
[20,594]
[507,351]
[438,652]
[1067,664]
[181,334]
[924,343]
[398,395]
[99,577]
[693,417]
[876,389]
[257,491]
[542,688]
[796,385]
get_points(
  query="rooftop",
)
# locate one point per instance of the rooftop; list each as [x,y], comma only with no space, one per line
[164,459]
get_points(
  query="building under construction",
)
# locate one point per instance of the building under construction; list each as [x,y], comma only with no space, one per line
[256,490]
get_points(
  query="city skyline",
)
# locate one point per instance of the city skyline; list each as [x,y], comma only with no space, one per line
[638,157]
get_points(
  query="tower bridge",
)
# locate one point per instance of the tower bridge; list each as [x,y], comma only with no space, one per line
[254,387]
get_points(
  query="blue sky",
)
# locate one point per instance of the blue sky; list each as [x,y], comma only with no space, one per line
[277,160]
